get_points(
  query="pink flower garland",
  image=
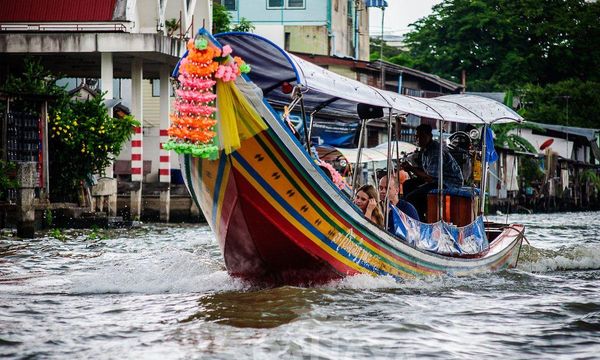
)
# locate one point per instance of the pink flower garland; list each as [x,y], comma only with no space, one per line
[337,179]
[190,95]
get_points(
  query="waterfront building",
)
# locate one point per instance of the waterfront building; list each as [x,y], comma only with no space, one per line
[333,27]
[121,45]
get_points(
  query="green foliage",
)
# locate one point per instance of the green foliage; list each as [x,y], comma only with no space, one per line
[548,104]
[33,79]
[57,234]
[7,177]
[48,217]
[221,19]
[172,25]
[506,43]
[592,177]
[530,171]
[388,51]
[85,139]
[506,137]
[244,26]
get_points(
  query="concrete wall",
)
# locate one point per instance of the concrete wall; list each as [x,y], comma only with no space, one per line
[273,32]
[559,145]
[344,71]
[308,39]
[308,27]
[256,11]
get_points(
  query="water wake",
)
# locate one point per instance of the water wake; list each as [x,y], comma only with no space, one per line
[579,257]
[167,271]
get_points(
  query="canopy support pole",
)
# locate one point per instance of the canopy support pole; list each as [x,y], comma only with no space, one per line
[306,134]
[441,172]
[310,125]
[389,169]
[484,169]
[358,156]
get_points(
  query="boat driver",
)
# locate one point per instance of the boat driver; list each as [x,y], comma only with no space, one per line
[426,177]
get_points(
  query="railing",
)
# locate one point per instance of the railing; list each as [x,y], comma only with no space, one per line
[420,93]
[64,27]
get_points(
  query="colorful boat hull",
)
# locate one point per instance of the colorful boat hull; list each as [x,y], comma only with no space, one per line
[279,220]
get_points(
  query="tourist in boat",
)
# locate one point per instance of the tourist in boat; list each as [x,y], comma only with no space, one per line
[426,177]
[395,200]
[366,200]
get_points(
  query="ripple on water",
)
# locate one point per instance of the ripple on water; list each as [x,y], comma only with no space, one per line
[162,291]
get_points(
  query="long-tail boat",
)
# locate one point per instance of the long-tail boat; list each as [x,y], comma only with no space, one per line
[277,217]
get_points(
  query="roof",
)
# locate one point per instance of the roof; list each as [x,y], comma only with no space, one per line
[376,65]
[587,133]
[394,68]
[56,10]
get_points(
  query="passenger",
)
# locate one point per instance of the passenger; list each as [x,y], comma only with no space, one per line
[395,200]
[366,200]
[416,189]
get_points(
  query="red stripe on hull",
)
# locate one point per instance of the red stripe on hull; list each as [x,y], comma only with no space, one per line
[266,251]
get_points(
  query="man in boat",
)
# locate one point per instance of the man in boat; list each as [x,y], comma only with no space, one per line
[426,177]
[395,200]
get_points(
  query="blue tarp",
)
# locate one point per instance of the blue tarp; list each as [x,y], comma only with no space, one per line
[440,237]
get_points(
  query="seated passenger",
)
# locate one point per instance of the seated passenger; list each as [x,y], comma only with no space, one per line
[366,200]
[426,179]
[395,200]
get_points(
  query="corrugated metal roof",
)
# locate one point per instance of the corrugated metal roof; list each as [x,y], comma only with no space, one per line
[56,10]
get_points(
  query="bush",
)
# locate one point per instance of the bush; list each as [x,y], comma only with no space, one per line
[84,139]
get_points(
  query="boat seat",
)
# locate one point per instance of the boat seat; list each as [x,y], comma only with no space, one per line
[460,205]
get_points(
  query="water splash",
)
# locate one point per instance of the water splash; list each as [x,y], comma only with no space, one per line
[169,271]
[579,257]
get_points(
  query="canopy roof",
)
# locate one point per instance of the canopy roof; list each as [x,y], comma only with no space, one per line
[374,154]
[328,93]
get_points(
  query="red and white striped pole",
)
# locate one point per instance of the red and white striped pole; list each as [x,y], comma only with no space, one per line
[137,160]
[164,167]
[137,163]
[164,170]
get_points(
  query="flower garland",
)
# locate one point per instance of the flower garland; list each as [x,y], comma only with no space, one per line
[337,179]
[193,121]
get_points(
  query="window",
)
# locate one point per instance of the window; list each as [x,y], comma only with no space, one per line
[295,4]
[286,41]
[274,4]
[287,4]
[156,88]
[230,5]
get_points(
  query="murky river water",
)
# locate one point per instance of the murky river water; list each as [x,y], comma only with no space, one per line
[161,292]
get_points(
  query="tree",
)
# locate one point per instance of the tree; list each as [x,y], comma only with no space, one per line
[506,43]
[83,137]
[375,49]
[571,102]
[221,18]
[243,26]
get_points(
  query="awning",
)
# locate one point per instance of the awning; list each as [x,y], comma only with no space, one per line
[328,93]
[378,153]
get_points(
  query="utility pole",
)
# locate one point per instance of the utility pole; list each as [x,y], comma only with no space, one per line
[381,49]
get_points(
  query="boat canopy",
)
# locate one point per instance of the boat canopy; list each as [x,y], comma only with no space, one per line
[374,154]
[328,93]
